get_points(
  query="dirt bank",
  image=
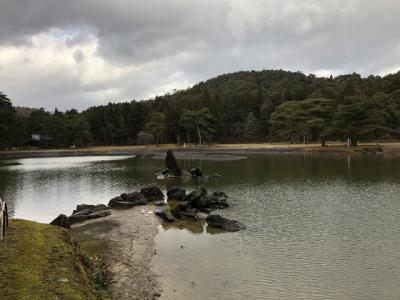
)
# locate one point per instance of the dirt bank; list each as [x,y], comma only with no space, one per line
[390,149]
[129,238]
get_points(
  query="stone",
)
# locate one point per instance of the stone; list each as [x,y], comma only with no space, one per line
[61,221]
[189,213]
[76,218]
[176,207]
[99,214]
[92,208]
[197,175]
[196,194]
[172,165]
[176,193]
[152,193]
[199,198]
[218,221]
[134,197]
[164,213]
[83,212]
[81,207]
[127,200]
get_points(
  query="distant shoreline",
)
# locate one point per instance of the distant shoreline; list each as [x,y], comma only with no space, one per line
[389,149]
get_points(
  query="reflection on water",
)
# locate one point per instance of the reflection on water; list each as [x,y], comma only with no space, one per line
[318,227]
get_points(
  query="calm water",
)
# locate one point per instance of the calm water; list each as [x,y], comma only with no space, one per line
[317,227]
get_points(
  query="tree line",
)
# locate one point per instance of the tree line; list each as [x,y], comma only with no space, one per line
[268,105]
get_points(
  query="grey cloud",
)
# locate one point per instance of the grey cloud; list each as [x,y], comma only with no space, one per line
[201,39]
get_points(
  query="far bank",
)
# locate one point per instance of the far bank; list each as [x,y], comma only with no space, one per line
[389,149]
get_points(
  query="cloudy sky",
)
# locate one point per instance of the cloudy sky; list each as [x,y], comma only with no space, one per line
[79,53]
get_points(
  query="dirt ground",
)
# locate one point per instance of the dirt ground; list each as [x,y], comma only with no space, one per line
[129,236]
[390,149]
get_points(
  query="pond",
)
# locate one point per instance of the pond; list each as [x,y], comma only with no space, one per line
[318,227]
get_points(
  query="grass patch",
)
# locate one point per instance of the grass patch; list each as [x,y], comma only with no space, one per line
[40,261]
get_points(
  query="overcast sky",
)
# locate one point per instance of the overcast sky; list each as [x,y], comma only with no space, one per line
[79,53]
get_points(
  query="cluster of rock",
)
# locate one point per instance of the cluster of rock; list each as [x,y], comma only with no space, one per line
[173,170]
[128,200]
[85,212]
[198,204]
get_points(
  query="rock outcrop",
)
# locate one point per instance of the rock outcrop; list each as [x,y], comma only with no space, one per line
[173,168]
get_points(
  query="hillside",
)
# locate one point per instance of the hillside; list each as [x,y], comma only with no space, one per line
[272,105]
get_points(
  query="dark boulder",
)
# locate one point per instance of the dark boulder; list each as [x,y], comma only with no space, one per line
[61,221]
[176,193]
[220,222]
[152,193]
[191,213]
[197,174]
[172,165]
[134,197]
[164,213]
[81,207]
[199,198]
[92,208]
[196,194]
[88,211]
[218,200]
[99,214]
[128,200]
[77,218]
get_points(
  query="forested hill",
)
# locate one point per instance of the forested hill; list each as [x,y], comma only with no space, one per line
[264,105]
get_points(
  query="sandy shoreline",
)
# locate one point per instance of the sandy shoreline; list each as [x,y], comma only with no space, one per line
[389,149]
[129,235]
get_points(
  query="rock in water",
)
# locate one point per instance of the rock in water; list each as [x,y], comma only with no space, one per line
[196,194]
[176,193]
[126,201]
[99,214]
[61,221]
[172,166]
[199,198]
[164,213]
[197,174]
[152,193]
[223,223]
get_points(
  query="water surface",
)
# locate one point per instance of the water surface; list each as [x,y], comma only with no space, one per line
[318,227]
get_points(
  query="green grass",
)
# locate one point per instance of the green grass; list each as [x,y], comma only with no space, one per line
[39,261]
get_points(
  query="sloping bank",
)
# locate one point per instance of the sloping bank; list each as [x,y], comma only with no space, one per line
[39,261]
